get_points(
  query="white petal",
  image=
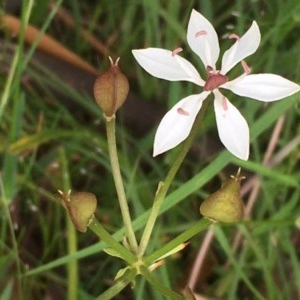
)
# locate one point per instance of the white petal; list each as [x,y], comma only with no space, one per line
[232,127]
[242,48]
[177,123]
[205,45]
[263,87]
[163,64]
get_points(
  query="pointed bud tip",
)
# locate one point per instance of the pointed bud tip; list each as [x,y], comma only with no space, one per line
[238,177]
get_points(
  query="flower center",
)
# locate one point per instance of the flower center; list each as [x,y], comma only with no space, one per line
[214,80]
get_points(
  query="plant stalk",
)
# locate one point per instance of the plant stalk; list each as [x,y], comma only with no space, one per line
[118,286]
[99,230]
[199,226]
[163,187]
[170,294]
[72,266]
[113,155]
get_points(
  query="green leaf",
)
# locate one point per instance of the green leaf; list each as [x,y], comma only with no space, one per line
[112,252]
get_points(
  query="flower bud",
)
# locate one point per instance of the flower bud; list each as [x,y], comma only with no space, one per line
[111,89]
[225,205]
[81,207]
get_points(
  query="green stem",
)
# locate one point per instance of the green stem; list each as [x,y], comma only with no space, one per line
[98,229]
[113,154]
[202,224]
[15,69]
[14,250]
[119,286]
[159,286]
[72,265]
[164,186]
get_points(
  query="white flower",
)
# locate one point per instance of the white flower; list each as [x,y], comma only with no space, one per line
[203,40]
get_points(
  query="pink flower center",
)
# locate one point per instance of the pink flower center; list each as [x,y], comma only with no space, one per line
[214,80]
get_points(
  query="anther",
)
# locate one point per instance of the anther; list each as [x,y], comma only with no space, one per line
[200,33]
[183,112]
[246,68]
[234,36]
[210,70]
[176,51]
[224,103]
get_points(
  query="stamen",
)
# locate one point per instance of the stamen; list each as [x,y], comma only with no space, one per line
[183,112]
[224,103]
[176,51]
[234,36]
[200,33]
[246,68]
[210,70]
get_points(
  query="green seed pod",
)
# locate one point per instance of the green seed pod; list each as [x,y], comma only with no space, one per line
[225,205]
[81,207]
[111,89]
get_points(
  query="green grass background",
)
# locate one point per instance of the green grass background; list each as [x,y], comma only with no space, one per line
[69,149]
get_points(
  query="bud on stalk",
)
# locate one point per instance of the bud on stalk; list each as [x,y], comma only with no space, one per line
[81,207]
[111,89]
[225,205]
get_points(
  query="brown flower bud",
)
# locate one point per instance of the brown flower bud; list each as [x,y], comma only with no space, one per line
[81,207]
[111,89]
[225,205]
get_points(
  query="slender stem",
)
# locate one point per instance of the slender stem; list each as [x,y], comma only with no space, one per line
[113,154]
[16,68]
[98,229]
[118,286]
[14,249]
[164,186]
[72,265]
[159,286]
[202,224]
